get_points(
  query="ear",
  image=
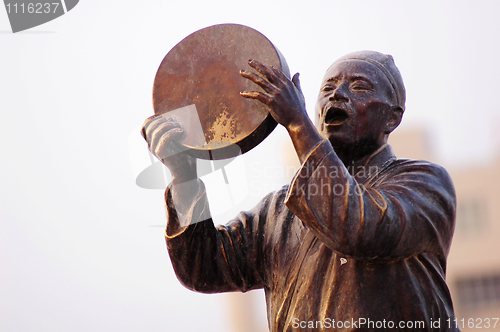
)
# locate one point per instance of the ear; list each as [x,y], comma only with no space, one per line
[395,117]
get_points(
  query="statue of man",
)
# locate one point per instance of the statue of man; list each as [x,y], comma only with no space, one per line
[357,241]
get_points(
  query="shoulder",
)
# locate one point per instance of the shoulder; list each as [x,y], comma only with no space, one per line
[417,168]
[418,175]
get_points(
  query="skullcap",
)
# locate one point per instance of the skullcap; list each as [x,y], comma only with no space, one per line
[385,63]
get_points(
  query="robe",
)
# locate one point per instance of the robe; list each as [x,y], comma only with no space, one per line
[333,251]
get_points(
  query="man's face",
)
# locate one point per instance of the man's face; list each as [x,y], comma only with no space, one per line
[354,105]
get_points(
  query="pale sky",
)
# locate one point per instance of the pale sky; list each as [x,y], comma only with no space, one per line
[77,250]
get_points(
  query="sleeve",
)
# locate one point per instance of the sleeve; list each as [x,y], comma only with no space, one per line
[209,259]
[408,211]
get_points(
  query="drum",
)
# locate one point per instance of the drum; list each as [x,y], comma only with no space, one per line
[198,83]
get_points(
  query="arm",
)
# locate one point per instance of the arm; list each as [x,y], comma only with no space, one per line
[162,135]
[205,259]
[409,209]
[209,259]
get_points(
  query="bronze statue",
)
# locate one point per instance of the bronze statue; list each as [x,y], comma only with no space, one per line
[358,240]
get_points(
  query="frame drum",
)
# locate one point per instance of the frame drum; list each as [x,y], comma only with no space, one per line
[198,83]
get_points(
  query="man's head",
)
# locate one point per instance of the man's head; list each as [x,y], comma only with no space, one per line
[361,101]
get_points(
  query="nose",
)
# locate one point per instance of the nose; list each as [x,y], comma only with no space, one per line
[339,94]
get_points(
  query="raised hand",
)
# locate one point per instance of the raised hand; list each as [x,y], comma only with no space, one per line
[286,105]
[283,96]
[162,135]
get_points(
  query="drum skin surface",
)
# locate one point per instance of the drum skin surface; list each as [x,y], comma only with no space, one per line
[198,83]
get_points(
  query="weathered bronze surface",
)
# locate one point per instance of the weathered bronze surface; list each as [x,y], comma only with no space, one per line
[203,70]
[358,241]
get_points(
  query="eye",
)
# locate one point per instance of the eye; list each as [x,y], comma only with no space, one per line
[328,88]
[361,86]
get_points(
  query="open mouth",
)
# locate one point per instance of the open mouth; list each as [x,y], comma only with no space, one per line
[336,116]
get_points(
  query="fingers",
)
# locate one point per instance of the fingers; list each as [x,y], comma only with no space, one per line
[162,128]
[162,147]
[262,97]
[159,132]
[145,124]
[149,125]
[271,73]
[280,74]
[152,123]
[264,83]
[264,70]
[282,95]
[269,78]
